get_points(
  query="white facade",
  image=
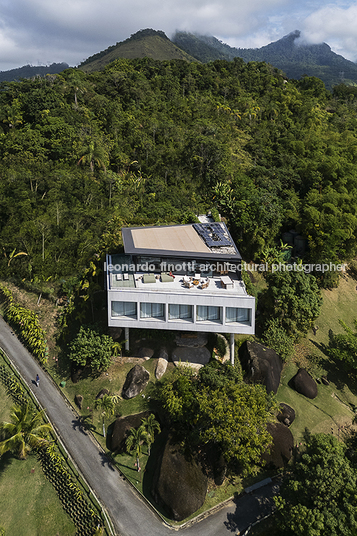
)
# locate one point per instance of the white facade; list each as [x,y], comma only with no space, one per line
[214,300]
[175,307]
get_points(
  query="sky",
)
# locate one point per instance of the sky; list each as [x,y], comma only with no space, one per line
[41,32]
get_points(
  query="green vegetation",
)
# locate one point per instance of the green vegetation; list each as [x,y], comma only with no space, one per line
[151,426]
[25,432]
[318,498]
[344,346]
[26,323]
[144,43]
[150,142]
[216,408]
[92,350]
[288,54]
[136,439]
[277,338]
[146,142]
[106,404]
[294,299]
[31,506]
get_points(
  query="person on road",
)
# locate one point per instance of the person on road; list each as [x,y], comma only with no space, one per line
[37,380]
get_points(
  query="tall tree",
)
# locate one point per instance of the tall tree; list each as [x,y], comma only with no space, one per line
[136,439]
[106,405]
[151,426]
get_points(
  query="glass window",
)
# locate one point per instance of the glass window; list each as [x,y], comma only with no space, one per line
[180,312]
[124,309]
[211,313]
[237,314]
[152,310]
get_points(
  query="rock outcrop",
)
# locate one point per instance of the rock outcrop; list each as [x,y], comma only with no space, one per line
[282,448]
[191,357]
[261,364]
[122,427]
[179,484]
[304,384]
[162,363]
[135,382]
[145,353]
[286,414]
[78,399]
[102,393]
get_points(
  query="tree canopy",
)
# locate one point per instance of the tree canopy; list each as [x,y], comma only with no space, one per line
[216,408]
[145,142]
[319,496]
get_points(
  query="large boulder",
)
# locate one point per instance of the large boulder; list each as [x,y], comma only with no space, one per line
[282,447]
[191,357]
[122,427]
[135,382]
[179,484]
[162,363]
[304,384]
[261,364]
[286,414]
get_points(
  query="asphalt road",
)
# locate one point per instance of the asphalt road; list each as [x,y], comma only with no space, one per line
[130,515]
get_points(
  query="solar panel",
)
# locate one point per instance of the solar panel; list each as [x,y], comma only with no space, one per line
[213,234]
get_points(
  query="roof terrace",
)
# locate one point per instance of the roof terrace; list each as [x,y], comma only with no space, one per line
[200,284]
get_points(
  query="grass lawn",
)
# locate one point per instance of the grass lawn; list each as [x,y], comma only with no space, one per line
[28,502]
[331,409]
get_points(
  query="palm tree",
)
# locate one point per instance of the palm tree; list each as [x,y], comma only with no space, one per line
[93,154]
[26,432]
[107,405]
[151,426]
[117,348]
[135,440]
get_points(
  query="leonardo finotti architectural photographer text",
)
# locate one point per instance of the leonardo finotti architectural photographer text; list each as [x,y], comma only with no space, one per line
[193,266]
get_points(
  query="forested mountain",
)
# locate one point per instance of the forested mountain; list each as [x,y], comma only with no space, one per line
[29,71]
[143,44]
[287,54]
[153,142]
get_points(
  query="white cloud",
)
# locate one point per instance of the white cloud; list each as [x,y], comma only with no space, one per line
[336,26]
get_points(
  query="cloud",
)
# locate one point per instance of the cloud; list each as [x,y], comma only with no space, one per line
[71,30]
[333,25]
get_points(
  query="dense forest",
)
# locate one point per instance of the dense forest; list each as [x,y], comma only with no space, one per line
[150,142]
[289,54]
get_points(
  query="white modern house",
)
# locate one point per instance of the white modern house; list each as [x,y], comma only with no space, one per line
[179,277]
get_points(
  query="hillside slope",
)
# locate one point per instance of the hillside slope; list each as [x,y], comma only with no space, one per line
[287,54]
[30,71]
[145,43]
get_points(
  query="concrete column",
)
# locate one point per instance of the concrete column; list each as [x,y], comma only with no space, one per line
[126,337]
[231,345]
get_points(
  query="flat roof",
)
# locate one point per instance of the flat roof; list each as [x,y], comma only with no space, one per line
[175,241]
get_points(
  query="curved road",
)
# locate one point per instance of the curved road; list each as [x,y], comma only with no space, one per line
[130,515]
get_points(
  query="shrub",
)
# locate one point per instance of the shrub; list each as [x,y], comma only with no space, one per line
[91,349]
[277,338]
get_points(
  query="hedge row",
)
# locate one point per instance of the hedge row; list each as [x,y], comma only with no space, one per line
[26,324]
